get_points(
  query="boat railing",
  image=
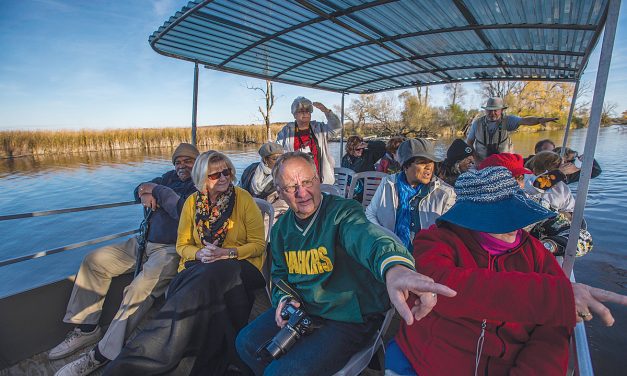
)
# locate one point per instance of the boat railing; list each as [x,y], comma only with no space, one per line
[70,246]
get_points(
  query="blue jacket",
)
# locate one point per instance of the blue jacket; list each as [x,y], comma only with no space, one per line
[170,194]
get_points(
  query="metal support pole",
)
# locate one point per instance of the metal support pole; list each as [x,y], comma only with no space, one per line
[570,117]
[195,104]
[342,134]
[593,132]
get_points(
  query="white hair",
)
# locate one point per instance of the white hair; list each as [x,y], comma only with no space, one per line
[301,103]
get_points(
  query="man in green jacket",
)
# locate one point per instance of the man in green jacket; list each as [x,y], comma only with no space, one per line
[339,265]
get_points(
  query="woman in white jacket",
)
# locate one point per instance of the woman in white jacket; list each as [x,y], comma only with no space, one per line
[414,198]
[311,136]
[547,184]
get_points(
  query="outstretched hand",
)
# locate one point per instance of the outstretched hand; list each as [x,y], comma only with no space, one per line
[401,282]
[588,301]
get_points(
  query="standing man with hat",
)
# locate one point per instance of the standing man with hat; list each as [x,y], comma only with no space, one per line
[490,133]
[165,196]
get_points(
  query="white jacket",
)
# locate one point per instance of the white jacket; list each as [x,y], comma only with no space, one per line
[559,197]
[382,208]
[321,130]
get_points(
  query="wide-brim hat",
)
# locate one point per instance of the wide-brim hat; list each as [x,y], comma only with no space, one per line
[416,147]
[494,103]
[490,200]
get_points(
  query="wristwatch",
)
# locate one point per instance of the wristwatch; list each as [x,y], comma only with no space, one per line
[232,254]
[550,245]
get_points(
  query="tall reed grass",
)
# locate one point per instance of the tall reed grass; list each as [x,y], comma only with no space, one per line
[23,143]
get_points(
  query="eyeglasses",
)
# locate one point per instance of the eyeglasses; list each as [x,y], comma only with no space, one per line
[304,183]
[216,175]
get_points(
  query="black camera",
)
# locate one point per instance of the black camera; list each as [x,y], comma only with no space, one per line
[298,325]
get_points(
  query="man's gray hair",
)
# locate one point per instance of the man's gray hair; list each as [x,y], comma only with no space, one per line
[201,167]
[292,155]
[301,103]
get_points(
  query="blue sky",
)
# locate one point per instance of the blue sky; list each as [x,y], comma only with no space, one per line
[87,64]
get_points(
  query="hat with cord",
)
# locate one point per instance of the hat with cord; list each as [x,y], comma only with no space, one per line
[490,200]
[513,162]
[494,103]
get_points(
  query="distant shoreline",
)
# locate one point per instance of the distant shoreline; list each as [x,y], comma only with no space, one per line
[17,144]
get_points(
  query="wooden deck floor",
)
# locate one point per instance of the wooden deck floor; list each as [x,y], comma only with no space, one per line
[40,365]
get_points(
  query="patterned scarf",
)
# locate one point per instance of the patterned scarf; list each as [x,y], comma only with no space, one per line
[403,213]
[212,218]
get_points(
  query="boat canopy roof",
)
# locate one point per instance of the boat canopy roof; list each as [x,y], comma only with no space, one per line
[358,46]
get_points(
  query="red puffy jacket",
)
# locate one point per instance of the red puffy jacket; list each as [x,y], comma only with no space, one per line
[522,297]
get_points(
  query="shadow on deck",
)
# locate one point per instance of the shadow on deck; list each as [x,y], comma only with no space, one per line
[19,312]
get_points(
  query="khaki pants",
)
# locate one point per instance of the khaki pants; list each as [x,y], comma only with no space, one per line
[94,278]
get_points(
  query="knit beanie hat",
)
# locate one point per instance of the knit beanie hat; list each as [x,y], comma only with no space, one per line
[490,200]
[458,151]
[513,162]
[185,150]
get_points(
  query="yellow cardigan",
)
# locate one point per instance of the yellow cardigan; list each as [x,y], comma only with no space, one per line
[245,231]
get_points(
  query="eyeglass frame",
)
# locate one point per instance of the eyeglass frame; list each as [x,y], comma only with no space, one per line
[216,175]
[291,189]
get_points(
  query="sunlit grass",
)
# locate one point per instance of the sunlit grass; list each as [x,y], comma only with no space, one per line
[20,143]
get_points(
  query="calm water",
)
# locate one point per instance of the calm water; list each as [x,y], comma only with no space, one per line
[33,184]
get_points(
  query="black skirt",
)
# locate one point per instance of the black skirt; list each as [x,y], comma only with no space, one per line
[195,330]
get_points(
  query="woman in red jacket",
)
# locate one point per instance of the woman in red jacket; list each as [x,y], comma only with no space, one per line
[514,309]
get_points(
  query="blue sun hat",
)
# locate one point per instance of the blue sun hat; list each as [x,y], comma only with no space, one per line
[490,200]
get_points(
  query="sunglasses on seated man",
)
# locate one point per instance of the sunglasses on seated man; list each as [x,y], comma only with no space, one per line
[216,175]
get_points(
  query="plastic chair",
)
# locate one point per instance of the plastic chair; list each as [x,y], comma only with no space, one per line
[358,362]
[330,189]
[342,177]
[266,210]
[371,179]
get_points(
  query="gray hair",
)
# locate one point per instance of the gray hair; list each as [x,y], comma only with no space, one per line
[201,167]
[292,155]
[301,103]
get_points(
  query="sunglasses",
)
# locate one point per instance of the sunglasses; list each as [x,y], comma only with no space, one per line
[216,175]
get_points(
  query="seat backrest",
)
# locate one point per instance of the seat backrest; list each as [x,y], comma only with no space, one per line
[267,212]
[330,189]
[342,177]
[359,361]
[371,179]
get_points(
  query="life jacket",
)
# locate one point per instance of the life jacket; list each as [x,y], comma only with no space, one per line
[486,144]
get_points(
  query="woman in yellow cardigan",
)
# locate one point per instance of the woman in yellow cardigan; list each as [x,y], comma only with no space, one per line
[222,248]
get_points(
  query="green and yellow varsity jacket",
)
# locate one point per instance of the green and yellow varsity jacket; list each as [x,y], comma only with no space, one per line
[337,263]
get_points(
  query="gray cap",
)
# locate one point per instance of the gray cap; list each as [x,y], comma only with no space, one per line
[270,148]
[416,147]
[494,103]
